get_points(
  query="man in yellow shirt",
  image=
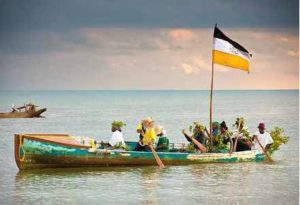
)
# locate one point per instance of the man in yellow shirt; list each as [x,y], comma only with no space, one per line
[147,134]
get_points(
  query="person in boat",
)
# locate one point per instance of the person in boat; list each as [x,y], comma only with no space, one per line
[215,129]
[198,134]
[242,136]
[14,108]
[163,141]
[146,134]
[30,107]
[222,142]
[117,139]
[263,137]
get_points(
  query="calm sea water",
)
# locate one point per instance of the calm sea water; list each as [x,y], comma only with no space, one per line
[89,113]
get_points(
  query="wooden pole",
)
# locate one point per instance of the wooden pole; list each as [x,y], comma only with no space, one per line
[156,157]
[211,95]
[237,136]
[198,144]
[263,149]
[210,104]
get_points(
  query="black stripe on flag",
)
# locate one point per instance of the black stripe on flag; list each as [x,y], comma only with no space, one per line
[219,34]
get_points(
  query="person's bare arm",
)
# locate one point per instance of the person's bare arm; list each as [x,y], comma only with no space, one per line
[186,136]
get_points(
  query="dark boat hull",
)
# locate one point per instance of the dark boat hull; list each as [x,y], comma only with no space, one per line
[27,114]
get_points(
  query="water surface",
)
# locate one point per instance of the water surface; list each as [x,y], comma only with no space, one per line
[89,113]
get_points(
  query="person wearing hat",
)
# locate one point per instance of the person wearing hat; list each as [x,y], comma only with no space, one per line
[147,135]
[198,134]
[163,141]
[117,138]
[222,142]
[263,137]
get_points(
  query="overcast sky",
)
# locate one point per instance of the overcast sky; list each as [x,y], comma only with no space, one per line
[138,44]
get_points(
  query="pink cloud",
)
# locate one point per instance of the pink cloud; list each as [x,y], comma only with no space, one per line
[172,58]
[293,53]
[182,34]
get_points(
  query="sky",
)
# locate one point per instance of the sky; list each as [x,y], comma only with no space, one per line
[139,44]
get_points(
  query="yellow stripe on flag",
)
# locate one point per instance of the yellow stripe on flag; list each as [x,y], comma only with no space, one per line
[230,60]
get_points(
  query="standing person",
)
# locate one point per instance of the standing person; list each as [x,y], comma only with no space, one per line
[163,141]
[263,137]
[147,134]
[117,139]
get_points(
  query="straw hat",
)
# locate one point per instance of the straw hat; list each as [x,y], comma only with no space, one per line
[158,130]
[147,120]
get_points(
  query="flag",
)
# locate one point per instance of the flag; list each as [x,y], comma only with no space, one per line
[228,52]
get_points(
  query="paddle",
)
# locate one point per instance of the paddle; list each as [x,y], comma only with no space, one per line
[263,149]
[208,135]
[198,144]
[157,159]
[237,137]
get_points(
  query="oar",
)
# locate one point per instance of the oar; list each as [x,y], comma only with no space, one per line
[208,135]
[237,137]
[198,144]
[157,159]
[263,149]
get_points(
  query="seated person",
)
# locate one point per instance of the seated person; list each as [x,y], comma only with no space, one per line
[242,136]
[117,140]
[198,134]
[163,141]
[147,135]
[222,142]
[263,137]
[215,129]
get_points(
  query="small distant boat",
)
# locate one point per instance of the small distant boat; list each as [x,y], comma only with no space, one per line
[36,151]
[26,111]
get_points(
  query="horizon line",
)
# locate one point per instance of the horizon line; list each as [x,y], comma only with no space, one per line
[280,89]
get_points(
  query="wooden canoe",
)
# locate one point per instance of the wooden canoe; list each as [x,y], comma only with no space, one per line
[25,114]
[35,151]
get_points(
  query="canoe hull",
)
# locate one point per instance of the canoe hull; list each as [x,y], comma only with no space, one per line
[27,114]
[35,154]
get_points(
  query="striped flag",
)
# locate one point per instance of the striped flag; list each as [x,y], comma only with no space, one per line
[228,52]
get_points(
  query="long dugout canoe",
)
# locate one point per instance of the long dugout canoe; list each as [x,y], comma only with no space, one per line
[36,151]
[27,114]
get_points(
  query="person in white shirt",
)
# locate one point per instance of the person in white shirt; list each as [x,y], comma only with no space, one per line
[13,107]
[263,137]
[117,136]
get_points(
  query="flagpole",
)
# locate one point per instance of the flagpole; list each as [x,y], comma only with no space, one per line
[210,104]
[211,98]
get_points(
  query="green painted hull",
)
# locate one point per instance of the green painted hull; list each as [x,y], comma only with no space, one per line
[35,154]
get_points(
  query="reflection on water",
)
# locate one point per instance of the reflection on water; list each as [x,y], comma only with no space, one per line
[249,183]
[78,182]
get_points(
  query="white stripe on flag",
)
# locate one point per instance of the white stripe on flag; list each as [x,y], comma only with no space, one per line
[226,47]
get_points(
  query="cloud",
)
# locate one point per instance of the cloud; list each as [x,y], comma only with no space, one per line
[195,65]
[293,53]
[284,39]
[128,58]
[70,15]
[182,35]
[189,69]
